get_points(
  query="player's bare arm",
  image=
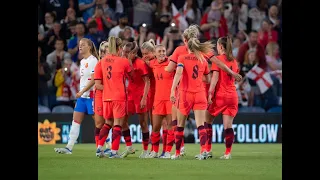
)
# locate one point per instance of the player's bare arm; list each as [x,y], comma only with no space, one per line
[176,80]
[170,67]
[143,101]
[225,68]
[88,86]
[214,80]
[98,85]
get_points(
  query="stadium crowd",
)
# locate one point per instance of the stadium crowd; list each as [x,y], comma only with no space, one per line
[254,25]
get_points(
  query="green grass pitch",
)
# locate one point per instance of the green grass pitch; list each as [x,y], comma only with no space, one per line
[249,162]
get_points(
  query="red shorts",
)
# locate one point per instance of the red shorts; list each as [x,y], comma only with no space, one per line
[97,103]
[162,107]
[225,105]
[114,109]
[150,99]
[134,106]
[191,100]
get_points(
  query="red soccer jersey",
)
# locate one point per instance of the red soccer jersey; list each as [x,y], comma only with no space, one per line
[193,71]
[113,70]
[182,50]
[225,85]
[163,80]
[136,82]
[98,76]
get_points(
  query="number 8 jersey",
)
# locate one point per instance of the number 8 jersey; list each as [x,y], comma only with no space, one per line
[193,71]
[86,70]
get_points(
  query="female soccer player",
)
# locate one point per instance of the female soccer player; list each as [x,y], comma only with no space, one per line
[191,68]
[112,72]
[138,88]
[223,96]
[85,96]
[98,113]
[148,55]
[161,110]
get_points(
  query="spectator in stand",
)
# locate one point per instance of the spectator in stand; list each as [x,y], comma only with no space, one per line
[172,40]
[257,14]
[104,24]
[123,22]
[57,6]
[235,46]
[70,30]
[254,45]
[191,11]
[53,34]
[108,12]
[243,36]
[43,78]
[50,18]
[142,12]
[163,16]
[55,58]
[236,15]
[87,8]
[274,64]
[66,22]
[211,27]
[93,31]
[266,33]
[273,16]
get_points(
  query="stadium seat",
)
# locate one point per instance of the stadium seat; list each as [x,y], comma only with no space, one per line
[253,109]
[62,109]
[277,109]
[43,109]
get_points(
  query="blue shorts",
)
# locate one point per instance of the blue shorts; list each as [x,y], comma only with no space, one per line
[84,105]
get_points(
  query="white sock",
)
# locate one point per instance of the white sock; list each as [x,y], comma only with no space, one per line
[99,147]
[73,135]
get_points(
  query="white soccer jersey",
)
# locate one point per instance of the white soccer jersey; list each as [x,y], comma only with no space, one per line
[86,70]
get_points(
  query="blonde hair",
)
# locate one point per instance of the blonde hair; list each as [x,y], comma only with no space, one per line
[226,43]
[93,49]
[191,32]
[114,45]
[198,48]
[149,45]
[103,46]
[159,45]
[271,47]
[246,57]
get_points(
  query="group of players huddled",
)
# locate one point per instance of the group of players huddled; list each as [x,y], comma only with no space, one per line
[166,89]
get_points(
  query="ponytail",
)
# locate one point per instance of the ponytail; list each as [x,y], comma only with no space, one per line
[226,43]
[94,51]
[198,48]
[101,48]
[149,45]
[114,45]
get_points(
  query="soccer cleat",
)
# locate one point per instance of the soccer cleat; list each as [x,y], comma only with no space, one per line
[226,156]
[203,156]
[153,154]
[162,154]
[144,154]
[174,157]
[100,153]
[183,151]
[108,143]
[129,150]
[210,154]
[63,150]
[107,151]
[166,155]
[114,155]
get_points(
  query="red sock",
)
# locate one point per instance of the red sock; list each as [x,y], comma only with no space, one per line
[170,140]
[164,140]
[179,135]
[145,140]
[229,135]
[203,138]
[116,136]
[155,140]
[209,136]
[127,137]
[174,125]
[96,135]
[103,135]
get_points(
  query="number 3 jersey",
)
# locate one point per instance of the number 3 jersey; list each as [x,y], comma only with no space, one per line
[193,71]
[112,71]
[163,80]
[86,70]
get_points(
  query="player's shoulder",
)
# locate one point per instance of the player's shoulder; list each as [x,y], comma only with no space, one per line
[92,59]
[181,49]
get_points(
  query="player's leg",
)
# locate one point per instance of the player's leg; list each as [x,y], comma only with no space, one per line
[164,135]
[104,132]
[78,115]
[155,135]
[229,135]
[127,138]
[119,113]
[170,136]
[175,122]
[143,121]
[98,117]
